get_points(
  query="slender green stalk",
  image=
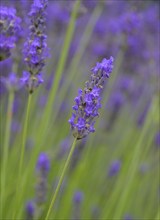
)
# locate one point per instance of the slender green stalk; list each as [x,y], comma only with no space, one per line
[24,136]
[6,145]
[61,178]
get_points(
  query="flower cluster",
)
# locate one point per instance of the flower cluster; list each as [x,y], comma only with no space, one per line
[88,102]
[9,31]
[35,48]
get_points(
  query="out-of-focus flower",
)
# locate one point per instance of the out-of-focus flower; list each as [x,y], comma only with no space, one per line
[78,197]
[43,163]
[87,102]
[35,48]
[42,167]
[30,210]
[128,217]
[10,28]
[12,82]
[114,168]
[95,212]
[77,201]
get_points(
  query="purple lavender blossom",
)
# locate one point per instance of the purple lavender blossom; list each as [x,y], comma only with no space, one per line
[43,163]
[35,48]
[9,31]
[114,168]
[31,81]
[78,197]
[87,102]
[30,210]
[12,82]
[43,167]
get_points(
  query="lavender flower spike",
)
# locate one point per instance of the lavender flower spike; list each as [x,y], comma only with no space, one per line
[35,48]
[42,167]
[88,102]
[9,31]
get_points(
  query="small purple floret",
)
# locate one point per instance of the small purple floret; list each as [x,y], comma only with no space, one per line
[78,197]
[43,163]
[114,168]
[30,210]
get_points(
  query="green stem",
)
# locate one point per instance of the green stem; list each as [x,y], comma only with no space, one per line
[24,136]
[61,178]
[6,145]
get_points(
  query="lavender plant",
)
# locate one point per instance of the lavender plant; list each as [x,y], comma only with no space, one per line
[99,176]
[86,109]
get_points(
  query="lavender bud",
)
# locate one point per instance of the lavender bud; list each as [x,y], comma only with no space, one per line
[78,197]
[114,168]
[88,102]
[9,31]
[30,210]
[43,163]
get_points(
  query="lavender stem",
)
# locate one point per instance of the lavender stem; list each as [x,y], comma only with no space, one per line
[24,136]
[61,178]
[6,145]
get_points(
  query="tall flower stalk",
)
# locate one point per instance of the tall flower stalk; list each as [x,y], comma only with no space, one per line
[35,52]
[6,146]
[61,179]
[85,110]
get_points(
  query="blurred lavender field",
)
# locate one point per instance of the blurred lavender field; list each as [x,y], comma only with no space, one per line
[48,50]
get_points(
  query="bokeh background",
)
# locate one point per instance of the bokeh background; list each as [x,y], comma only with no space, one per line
[114,173]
